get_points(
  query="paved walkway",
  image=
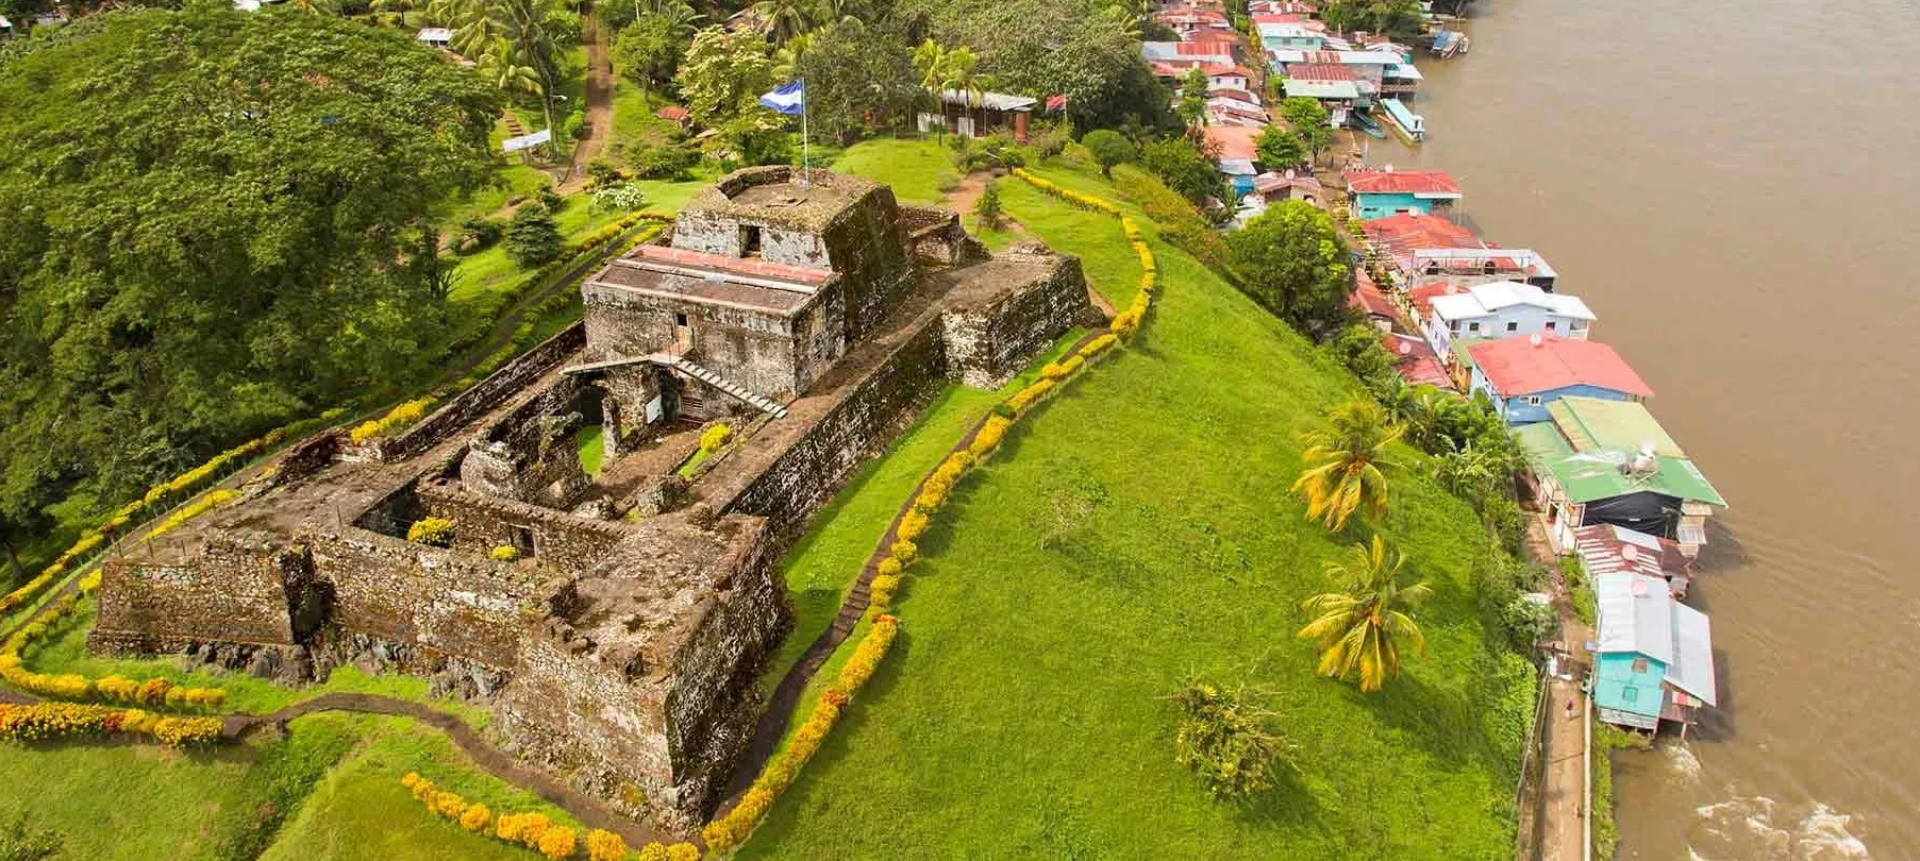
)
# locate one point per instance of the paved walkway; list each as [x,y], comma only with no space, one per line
[1563,834]
[599,103]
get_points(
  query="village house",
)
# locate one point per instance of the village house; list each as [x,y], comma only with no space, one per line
[1368,299]
[1369,66]
[1610,462]
[1503,309]
[1186,19]
[1232,76]
[1230,108]
[1607,549]
[1382,192]
[1273,187]
[436,37]
[1525,373]
[977,115]
[1415,361]
[1237,153]
[1173,59]
[1334,87]
[1427,256]
[1655,655]
[1288,35]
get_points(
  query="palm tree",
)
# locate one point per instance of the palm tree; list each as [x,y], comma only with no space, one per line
[782,20]
[382,7]
[1351,465]
[1363,625]
[930,60]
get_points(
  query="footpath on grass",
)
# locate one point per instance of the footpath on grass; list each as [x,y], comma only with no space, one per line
[768,770]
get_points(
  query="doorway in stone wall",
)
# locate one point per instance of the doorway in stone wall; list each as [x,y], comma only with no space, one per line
[521,538]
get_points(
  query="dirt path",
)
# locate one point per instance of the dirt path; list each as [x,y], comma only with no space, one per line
[599,103]
[1563,830]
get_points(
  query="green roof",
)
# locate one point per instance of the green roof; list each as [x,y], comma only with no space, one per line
[1589,439]
[1459,350]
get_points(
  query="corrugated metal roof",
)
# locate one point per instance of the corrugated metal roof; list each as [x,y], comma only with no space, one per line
[1593,472]
[989,101]
[1691,669]
[1636,615]
[1591,423]
[1483,299]
[1323,89]
[1531,364]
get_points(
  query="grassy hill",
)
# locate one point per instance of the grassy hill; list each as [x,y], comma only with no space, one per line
[1139,530]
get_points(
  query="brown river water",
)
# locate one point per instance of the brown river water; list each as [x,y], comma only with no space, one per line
[1734,188]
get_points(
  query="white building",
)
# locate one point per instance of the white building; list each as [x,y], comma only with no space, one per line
[1504,309]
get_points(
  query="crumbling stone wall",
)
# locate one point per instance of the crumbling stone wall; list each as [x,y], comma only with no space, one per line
[768,352]
[989,342]
[806,474]
[476,402]
[934,236]
[443,601]
[529,453]
[482,523]
[237,590]
[875,272]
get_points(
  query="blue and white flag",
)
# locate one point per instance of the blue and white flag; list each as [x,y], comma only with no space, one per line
[788,99]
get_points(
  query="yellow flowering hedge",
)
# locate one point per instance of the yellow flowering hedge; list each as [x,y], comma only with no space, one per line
[213,499]
[53,721]
[728,832]
[398,418]
[605,846]
[713,438]
[69,686]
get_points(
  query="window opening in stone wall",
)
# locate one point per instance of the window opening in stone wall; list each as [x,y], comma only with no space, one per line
[682,332]
[521,537]
[749,241]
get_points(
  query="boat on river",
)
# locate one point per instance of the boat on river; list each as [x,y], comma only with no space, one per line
[1367,125]
[1410,126]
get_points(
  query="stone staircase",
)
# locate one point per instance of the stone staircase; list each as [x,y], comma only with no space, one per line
[754,399]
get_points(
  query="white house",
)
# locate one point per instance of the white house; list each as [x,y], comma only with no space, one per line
[1229,77]
[1504,309]
[436,37]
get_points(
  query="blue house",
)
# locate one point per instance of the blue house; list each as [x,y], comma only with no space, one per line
[1384,192]
[1525,373]
[1655,658]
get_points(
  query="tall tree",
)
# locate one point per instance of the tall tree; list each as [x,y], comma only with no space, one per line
[1309,121]
[1290,260]
[1193,99]
[781,21]
[1362,627]
[721,79]
[1349,466]
[1180,163]
[857,76]
[202,216]
[1279,149]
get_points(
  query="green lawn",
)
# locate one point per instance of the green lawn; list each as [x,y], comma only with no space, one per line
[592,448]
[361,810]
[915,168]
[66,652]
[121,802]
[1134,531]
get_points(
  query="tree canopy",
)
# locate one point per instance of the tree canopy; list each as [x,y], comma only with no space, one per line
[1291,261]
[205,222]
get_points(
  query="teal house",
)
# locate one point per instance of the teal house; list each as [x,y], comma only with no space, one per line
[1655,656]
[1385,192]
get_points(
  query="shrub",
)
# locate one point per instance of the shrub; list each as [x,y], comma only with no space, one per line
[431,531]
[503,553]
[606,846]
[713,438]
[912,525]
[1225,741]
[1026,397]
[476,818]
[989,436]
[402,416]
[880,592]
[602,172]
[480,232]
[575,126]
[618,197]
[533,238]
[889,567]
[987,211]
[558,843]
[653,852]
[1098,345]
[905,551]
[1109,148]
[683,852]
[668,161]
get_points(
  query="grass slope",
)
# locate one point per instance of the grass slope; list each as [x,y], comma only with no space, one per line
[361,810]
[915,168]
[1022,713]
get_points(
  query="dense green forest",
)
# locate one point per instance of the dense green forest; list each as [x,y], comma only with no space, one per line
[212,223]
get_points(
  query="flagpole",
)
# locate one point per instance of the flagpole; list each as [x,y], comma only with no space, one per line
[806,161]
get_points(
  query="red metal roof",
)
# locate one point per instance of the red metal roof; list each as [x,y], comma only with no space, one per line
[1320,72]
[1400,182]
[1231,93]
[1411,231]
[1520,365]
[1368,298]
[1422,296]
[1216,71]
[1234,141]
[672,113]
[736,265]
[1414,359]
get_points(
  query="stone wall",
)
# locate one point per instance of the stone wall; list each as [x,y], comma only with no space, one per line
[865,247]
[445,602]
[530,453]
[233,590]
[476,402]
[482,523]
[595,728]
[860,425]
[988,343]
[768,352]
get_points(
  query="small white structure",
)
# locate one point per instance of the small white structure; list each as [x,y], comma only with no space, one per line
[1503,309]
[977,115]
[438,37]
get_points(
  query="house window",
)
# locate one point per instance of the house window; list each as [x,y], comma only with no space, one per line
[1473,327]
[1533,400]
[1639,665]
[1513,327]
[1551,325]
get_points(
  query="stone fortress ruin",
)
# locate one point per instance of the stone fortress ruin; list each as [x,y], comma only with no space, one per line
[620,643]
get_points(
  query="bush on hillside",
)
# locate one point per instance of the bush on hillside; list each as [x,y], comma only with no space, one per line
[1225,741]
[533,238]
[667,161]
[1109,148]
